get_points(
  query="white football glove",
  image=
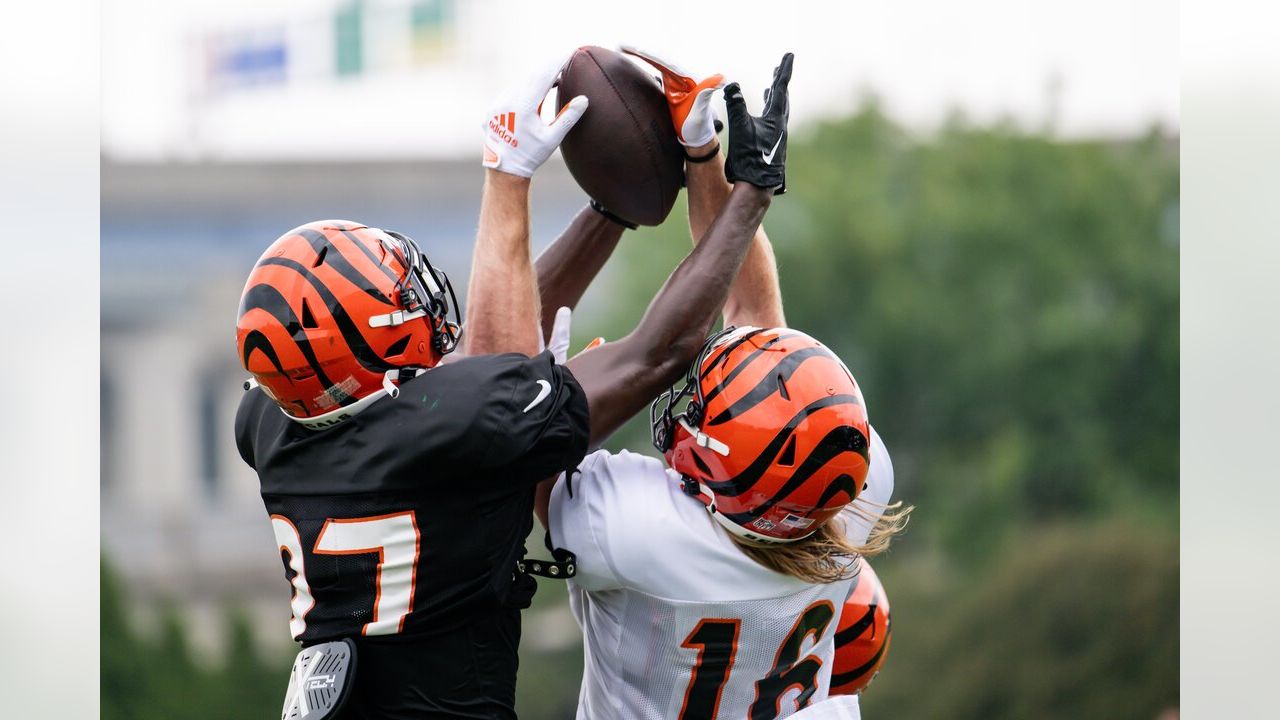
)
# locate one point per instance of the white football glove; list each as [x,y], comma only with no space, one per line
[558,344]
[516,141]
[688,99]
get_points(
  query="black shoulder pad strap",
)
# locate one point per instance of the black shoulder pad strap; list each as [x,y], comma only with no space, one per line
[563,567]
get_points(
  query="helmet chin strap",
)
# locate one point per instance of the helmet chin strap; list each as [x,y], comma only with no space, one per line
[746,534]
[699,491]
[389,386]
[333,417]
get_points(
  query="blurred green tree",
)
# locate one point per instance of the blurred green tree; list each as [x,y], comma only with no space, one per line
[1071,621]
[124,683]
[157,678]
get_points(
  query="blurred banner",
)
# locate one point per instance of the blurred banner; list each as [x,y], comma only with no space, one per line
[362,38]
[398,79]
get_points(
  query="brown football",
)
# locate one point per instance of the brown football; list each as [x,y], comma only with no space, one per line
[623,152]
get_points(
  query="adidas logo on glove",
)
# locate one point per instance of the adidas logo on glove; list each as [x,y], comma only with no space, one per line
[504,126]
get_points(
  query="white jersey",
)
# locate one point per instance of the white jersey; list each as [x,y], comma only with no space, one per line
[677,622]
[836,707]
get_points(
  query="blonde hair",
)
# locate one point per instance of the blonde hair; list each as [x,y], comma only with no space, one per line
[827,555]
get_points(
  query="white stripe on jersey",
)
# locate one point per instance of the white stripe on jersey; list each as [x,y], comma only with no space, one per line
[661,591]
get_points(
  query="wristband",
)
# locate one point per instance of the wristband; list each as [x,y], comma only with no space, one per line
[705,158]
[595,205]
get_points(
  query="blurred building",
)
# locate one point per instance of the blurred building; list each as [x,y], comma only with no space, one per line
[181,516]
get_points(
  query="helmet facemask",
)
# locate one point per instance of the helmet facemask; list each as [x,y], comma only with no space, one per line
[424,291]
[662,421]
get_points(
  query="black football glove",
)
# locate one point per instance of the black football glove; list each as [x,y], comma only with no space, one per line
[758,145]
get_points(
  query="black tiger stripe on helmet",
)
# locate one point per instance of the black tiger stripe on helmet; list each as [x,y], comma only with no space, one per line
[333,256]
[351,334]
[355,312]
[775,436]
[268,298]
[863,635]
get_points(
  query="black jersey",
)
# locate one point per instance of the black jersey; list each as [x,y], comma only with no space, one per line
[401,526]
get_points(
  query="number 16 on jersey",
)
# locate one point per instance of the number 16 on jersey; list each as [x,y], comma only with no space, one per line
[716,641]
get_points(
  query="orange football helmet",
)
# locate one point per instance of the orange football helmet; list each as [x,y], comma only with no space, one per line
[862,637]
[334,311]
[775,438]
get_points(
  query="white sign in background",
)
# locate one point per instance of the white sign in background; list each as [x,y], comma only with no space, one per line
[1092,67]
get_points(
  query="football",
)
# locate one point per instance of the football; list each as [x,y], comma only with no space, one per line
[623,152]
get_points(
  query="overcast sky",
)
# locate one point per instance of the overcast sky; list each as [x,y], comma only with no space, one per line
[1114,64]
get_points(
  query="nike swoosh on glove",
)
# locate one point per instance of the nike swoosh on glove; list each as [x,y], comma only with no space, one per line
[758,145]
[516,140]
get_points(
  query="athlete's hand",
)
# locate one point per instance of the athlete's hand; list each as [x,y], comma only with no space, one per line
[688,99]
[758,145]
[516,140]
[558,343]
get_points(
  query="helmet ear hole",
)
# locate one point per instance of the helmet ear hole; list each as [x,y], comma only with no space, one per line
[397,347]
[702,466]
[782,389]
[788,457]
[308,319]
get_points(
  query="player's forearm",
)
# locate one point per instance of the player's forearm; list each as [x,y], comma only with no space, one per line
[542,502]
[755,298]
[568,266]
[708,189]
[686,306]
[502,300]
[620,378]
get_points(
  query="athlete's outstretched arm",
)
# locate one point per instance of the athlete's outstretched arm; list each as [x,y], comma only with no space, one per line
[621,377]
[567,267]
[502,300]
[755,298]
[565,270]
[502,297]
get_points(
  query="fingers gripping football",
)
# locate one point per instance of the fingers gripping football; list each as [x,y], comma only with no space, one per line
[516,140]
[758,145]
[689,99]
